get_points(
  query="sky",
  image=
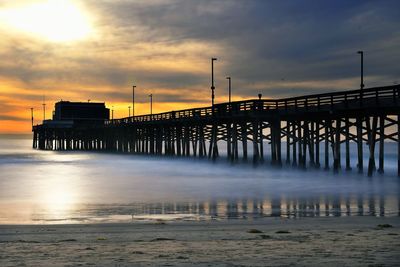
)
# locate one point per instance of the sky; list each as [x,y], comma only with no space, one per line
[97,49]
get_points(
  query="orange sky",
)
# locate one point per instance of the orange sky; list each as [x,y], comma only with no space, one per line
[41,61]
[96,49]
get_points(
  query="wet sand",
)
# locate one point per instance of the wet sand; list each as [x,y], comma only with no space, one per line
[344,241]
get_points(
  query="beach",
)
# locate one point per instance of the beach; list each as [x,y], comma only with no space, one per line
[329,241]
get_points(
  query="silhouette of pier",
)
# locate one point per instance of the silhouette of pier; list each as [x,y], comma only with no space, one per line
[306,127]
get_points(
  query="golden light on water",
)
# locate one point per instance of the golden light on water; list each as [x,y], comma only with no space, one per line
[53,20]
[59,194]
[59,199]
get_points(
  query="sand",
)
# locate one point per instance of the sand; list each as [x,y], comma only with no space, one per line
[342,241]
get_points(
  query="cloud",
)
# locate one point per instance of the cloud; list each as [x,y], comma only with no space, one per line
[279,48]
[11,118]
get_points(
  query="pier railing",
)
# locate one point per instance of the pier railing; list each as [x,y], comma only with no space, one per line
[344,99]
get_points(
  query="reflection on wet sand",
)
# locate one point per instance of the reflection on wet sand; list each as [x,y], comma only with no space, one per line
[357,205]
[286,207]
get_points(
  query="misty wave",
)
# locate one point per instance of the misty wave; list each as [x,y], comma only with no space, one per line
[51,186]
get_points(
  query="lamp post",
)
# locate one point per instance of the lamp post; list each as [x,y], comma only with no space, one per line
[112,112]
[151,104]
[129,108]
[133,100]
[362,68]
[44,108]
[212,82]
[229,88]
[44,111]
[32,116]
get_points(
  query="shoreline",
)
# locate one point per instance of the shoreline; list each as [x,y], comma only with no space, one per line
[268,220]
[332,241]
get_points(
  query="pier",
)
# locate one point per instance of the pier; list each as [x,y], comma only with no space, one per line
[311,130]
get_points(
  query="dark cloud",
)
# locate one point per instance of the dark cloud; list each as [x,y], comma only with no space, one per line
[268,40]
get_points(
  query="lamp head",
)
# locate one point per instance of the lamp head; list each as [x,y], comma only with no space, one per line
[360,52]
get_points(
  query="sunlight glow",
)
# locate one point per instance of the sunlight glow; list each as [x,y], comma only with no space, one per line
[53,20]
[58,200]
[57,195]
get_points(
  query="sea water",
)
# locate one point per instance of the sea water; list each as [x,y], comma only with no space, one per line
[47,187]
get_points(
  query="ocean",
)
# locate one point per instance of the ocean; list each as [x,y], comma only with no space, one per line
[51,187]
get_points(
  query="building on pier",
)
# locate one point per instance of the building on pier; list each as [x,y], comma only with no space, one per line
[81,112]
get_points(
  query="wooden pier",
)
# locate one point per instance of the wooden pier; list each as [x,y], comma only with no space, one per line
[312,130]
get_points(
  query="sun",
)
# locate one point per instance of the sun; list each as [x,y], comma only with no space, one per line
[52,20]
